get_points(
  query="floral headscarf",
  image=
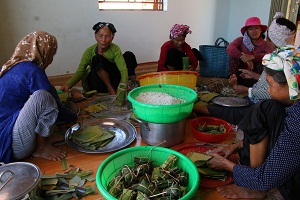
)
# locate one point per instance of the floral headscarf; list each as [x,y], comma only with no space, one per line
[179,30]
[38,47]
[280,35]
[286,59]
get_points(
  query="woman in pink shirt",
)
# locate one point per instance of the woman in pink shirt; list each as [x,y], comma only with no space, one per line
[246,52]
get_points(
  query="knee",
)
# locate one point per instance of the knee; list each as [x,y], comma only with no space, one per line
[44,97]
[129,54]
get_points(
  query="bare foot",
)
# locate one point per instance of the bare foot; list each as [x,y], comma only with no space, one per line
[233,80]
[233,191]
[49,152]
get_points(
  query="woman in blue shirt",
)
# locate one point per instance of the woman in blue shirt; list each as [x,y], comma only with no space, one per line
[273,129]
[29,105]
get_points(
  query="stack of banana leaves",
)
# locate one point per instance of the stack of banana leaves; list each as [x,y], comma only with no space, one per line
[69,185]
[145,181]
[92,137]
[200,160]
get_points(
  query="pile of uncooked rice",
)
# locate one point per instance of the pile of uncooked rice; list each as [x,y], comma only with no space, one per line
[158,98]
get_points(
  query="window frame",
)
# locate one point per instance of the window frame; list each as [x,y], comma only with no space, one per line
[158,5]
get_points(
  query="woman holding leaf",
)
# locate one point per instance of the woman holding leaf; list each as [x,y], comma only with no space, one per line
[103,67]
[29,105]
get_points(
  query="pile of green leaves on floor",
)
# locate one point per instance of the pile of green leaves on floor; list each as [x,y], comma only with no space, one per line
[92,137]
[200,160]
[146,181]
[68,185]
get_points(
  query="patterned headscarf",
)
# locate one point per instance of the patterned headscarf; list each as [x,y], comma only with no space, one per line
[286,59]
[179,30]
[38,47]
[280,35]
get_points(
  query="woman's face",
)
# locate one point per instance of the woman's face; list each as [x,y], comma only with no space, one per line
[104,37]
[178,41]
[254,32]
[280,92]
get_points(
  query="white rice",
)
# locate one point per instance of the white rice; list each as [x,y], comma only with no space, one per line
[158,98]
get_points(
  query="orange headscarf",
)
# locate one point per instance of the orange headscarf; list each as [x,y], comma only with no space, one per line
[38,47]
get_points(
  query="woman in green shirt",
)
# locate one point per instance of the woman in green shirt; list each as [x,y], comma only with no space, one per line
[102,66]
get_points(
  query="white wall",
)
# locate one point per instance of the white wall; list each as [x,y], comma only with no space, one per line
[142,32]
[240,11]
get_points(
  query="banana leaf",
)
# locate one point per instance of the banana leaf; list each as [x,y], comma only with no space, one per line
[121,94]
[95,108]
[163,184]
[129,175]
[143,168]
[213,129]
[128,195]
[141,160]
[173,191]
[93,137]
[175,170]
[64,164]
[170,162]
[195,156]
[145,188]
[183,178]
[141,196]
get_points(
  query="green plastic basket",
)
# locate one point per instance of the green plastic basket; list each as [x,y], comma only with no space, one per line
[115,162]
[163,114]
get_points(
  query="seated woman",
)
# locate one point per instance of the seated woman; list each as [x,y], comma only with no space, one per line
[173,51]
[102,66]
[29,105]
[281,32]
[246,52]
[272,135]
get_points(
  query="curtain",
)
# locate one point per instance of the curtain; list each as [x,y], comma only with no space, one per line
[288,7]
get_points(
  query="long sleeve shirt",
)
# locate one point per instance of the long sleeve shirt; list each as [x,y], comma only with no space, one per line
[113,54]
[185,48]
[282,164]
[16,86]
[259,91]
[236,48]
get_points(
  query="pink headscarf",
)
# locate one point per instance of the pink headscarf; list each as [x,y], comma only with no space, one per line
[179,30]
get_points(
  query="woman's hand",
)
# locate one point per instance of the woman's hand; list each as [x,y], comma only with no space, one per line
[250,65]
[247,74]
[219,162]
[65,88]
[246,57]
[227,150]
[240,90]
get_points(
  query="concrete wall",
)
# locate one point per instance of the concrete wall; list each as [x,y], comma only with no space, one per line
[142,32]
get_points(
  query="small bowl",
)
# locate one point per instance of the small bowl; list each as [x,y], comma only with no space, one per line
[206,137]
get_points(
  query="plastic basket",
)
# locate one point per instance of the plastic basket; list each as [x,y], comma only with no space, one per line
[115,162]
[182,78]
[163,113]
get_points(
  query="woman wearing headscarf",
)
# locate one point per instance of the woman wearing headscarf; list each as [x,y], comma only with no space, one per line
[102,66]
[281,32]
[173,51]
[247,51]
[29,105]
[273,128]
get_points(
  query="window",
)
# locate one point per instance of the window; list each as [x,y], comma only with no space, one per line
[156,5]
